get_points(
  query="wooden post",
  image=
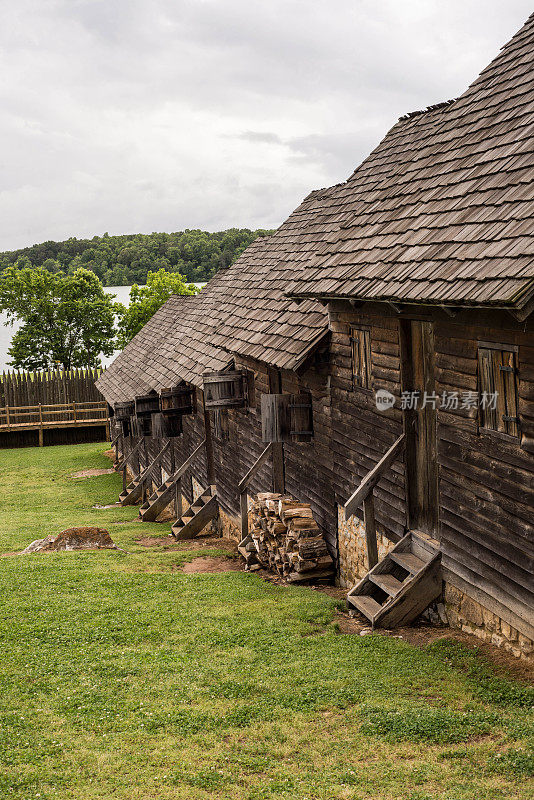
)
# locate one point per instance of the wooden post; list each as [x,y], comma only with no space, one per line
[41,436]
[178,506]
[7,415]
[124,484]
[279,483]
[243,503]
[74,412]
[370,530]
[210,465]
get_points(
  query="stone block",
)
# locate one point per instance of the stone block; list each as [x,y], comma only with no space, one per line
[491,622]
[453,596]
[472,611]
[526,645]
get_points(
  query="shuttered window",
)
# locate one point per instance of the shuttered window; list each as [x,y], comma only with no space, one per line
[497,370]
[360,340]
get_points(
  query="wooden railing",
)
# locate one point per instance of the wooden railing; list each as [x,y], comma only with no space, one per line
[364,495]
[243,485]
[58,415]
[145,474]
[177,477]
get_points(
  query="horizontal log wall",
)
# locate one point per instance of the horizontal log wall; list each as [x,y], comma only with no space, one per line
[361,434]
[486,479]
[308,465]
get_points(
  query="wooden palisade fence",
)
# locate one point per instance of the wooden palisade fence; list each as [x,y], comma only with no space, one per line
[54,399]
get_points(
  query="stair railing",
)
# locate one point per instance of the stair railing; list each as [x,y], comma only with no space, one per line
[242,488]
[178,475]
[364,495]
[122,465]
[146,474]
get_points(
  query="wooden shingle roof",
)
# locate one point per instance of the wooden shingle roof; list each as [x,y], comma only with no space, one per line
[442,211]
[243,310]
[130,374]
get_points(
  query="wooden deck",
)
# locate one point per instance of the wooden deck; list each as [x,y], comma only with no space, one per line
[60,415]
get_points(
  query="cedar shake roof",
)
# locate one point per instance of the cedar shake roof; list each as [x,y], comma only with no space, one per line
[243,310]
[443,210]
[128,375]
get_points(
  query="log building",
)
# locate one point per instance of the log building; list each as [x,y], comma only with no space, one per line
[391,317]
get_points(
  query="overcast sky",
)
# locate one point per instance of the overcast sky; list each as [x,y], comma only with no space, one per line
[142,115]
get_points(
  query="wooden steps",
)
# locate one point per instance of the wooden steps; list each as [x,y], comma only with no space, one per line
[132,493]
[197,516]
[158,500]
[402,584]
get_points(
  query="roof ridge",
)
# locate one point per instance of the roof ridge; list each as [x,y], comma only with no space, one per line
[434,107]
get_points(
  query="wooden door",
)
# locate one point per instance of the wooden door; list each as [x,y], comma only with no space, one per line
[420,425]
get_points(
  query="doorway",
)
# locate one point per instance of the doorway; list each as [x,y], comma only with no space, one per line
[420,424]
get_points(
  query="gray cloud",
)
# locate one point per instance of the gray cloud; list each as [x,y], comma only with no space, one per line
[141,115]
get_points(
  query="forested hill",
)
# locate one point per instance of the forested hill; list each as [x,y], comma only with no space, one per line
[123,260]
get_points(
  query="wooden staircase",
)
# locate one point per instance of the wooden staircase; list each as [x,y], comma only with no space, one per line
[400,586]
[133,491]
[397,589]
[196,517]
[158,500]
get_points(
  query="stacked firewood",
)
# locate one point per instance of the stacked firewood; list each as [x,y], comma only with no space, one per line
[284,538]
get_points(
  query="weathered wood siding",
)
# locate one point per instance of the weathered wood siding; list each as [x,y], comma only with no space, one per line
[308,465]
[486,479]
[360,433]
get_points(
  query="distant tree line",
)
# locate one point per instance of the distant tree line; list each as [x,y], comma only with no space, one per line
[123,260]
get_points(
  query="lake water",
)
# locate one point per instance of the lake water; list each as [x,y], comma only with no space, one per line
[6,331]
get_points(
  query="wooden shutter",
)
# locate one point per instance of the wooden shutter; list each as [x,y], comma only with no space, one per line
[498,376]
[361,357]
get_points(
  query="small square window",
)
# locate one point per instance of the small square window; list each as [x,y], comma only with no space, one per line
[497,385]
[360,340]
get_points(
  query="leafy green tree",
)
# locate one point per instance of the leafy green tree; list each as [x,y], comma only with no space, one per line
[124,260]
[145,301]
[67,320]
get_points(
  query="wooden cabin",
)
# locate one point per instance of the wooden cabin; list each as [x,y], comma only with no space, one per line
[400,302]
[429,282]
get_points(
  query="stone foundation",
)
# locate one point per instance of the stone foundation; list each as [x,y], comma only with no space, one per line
[462,612]
[352,551]
[470,617]
[229,527]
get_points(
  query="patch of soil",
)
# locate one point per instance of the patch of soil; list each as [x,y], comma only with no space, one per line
[109,454]
[101,508]
[91,473]
[212,564]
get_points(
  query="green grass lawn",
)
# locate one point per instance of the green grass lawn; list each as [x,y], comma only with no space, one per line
[122,677]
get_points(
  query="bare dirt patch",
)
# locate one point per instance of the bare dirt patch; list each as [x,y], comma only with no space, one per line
[109,454]
[91,473]
[204,564]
